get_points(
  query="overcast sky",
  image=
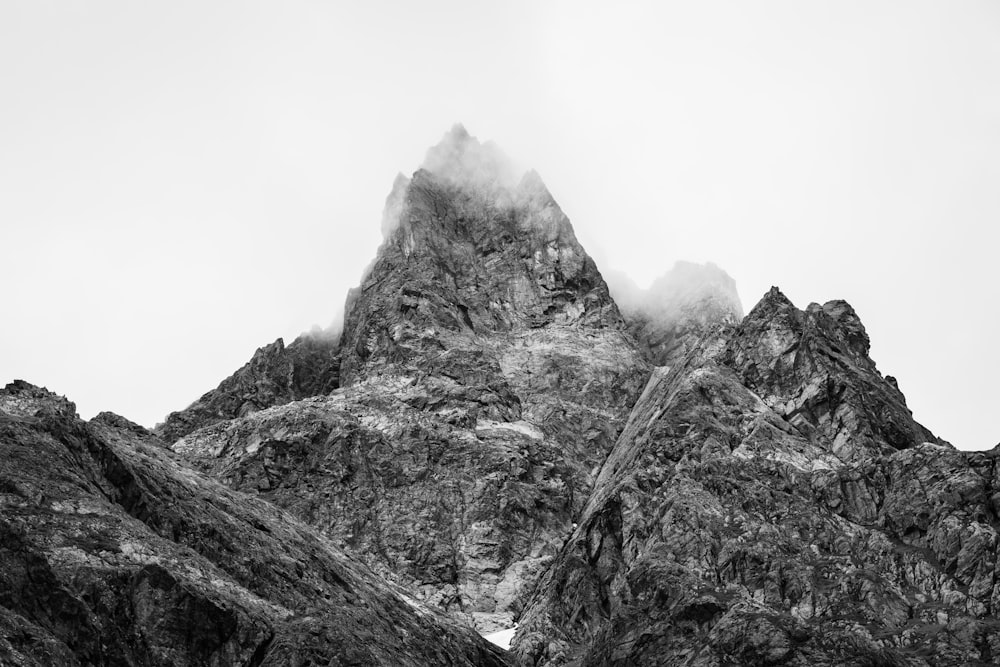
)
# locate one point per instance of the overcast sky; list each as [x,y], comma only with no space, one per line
[182,182]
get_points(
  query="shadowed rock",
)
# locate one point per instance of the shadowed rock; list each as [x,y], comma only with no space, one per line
[487,445]
[771,501]
[276,374]
[486,374]
[113,553]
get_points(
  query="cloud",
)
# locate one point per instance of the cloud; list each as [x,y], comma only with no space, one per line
[460,159]
[678,304]
[479,169]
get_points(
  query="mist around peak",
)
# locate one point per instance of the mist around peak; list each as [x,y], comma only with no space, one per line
[690,283]
[479,180]
[394,204]
[668,317]
[330,334]
[685,285]
[461,159]
[479,170]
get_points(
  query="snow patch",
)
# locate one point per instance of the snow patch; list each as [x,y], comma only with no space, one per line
[502,638]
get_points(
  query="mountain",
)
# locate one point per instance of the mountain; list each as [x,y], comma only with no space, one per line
[276,374]
[496,435]
[485,374]
[670,317]
[113,553]
[772,501]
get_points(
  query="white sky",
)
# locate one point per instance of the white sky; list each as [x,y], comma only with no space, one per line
[182,182]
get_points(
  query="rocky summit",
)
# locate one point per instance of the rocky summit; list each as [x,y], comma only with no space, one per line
[772,501]
[485,374]
[497,437]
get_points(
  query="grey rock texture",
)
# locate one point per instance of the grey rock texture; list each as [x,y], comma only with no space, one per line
[813,368]
[276,374]
[678,309]
[680,485]
[114,553]
[772,501]
[486,374]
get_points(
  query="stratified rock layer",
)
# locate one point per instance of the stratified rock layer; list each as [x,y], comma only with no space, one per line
[112,553]
[772,501]
[486,374]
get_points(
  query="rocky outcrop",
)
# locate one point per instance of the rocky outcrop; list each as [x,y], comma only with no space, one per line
[491,440]
[483,290]
[114,553]
[486,374]
[772,501]
[678,309]
[812,367]
[276,374]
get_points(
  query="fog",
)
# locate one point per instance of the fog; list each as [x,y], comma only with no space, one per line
[182,183]
[465,161]
[685,285]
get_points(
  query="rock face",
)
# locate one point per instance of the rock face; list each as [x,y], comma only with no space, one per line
[113,553]
[772,501]
[486,374]
[276,374]
[678,309]
[678,486]
[813,368]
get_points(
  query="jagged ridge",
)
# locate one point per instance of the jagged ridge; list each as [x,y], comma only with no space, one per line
[485,374]
[111,553]
[772,501]
[769,500]
[672,316]
[276,374]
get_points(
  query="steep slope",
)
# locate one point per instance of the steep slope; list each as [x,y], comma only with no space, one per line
[813,368]
[111,553]
[772,501]
[276,374]
[678,309]
[486,374]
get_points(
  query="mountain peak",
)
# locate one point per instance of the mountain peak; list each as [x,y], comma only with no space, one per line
[679,307]
[472,246]
[458,131]
[461,159]
[24,399]
[774,301]
[481,172]
[776,296]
